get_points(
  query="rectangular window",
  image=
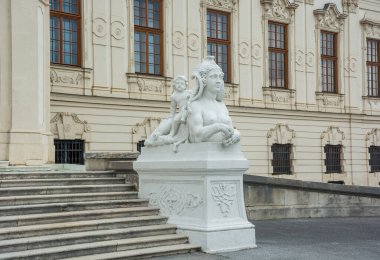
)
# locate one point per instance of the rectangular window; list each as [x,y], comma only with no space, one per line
[69,151]
[373,65]
[65,25]
[278,55]
[374,161]
[281,158]
[329,77]
[218,40]
[333,158]
[148,36]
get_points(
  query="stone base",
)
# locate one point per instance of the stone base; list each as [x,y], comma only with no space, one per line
[200,189]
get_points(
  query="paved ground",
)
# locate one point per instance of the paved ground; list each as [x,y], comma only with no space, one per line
[307,239]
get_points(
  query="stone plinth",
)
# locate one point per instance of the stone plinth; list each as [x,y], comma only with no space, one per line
[200,189]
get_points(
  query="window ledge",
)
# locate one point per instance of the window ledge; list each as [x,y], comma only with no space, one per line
[146,86]
[279,95]
[327,99]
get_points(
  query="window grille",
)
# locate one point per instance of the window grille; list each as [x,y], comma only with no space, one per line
[329,79]
[281,158]
[69,151]
[374,161]
[148,36]
[140,144]
[333,158]
[373,66]
[65,32]
[218,40]
[278,55]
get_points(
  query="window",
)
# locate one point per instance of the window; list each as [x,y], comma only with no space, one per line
[333,158]
[69,151]
[373,65]
[218,40]
[278,55]
[329,79]
[374,161]
[65,22]
[148,36]
[281,158]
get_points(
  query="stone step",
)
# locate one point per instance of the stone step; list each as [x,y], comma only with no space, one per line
[18,191]
[56,174]
[30,243]
[56,198]
[141,253]
[60,182]
[78,226]
[109,246]
[71,206]
[47,218]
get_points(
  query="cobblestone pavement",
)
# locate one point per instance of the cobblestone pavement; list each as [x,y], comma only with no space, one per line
[307,239]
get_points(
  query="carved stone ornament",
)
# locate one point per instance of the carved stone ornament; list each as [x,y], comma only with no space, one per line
[350,6]
[117,30]
[146,85]
[350,64]
[281,10]
[281,134]
[373,137]
[173,201]
[99,27]
[279,96]
[330,99]
[329,18]
[193,42]
[178,39]
[224,195]
[333,135]
[371,27]
[68,126]
[65,77]
[224,4]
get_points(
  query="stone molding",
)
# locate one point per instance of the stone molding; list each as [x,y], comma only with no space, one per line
[273,96]
[329,18]
[350,6]
[68,126]
[281,134]
[227,5]
[333,135]
[279,10]
[371,27]
[327,100]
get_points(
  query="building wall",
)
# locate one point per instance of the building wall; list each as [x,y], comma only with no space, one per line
[113,108]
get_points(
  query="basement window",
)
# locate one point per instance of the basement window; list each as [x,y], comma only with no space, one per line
[374,161]
[281,158]
[336,182]
[333,158]
[140,144]
[69,151]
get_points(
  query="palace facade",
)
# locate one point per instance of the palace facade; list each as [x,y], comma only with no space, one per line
[302,79]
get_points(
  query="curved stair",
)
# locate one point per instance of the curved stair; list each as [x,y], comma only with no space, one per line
[80,215]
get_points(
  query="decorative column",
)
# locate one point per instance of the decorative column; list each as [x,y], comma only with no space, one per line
[25,136]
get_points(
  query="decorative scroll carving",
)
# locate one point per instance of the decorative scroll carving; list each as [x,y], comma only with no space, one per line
[371,27]
[225,4]
[146,85]
[333,135]
[244,49]
[329,18]
[193,42]
[256,54]
[350,64]
[224,195]
[373,137]
[279,9]
[172,201]
[281,134]
[310,59]
[143,130]
[68,126]
[178,40]
[350,6]
[65,77]
[117,30]
[330,99]
[99,27]
[279,96]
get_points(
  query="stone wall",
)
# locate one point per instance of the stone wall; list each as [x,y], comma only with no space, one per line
[275,198]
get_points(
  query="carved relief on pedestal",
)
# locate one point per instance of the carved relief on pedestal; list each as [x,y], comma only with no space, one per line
[148,87]
[224,195]
[350,6]
[141,131]
[68,126]
[279,96]
[281,134]
[174,201]
[281,10]
[222,4]
[332,100]
[329,18]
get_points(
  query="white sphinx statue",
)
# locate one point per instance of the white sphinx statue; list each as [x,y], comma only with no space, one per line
[202,116]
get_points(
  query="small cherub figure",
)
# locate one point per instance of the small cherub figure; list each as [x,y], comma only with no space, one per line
[180,98]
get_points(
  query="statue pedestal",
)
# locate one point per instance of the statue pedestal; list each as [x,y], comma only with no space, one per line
[200,189]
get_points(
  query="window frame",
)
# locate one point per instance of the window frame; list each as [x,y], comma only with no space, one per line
[147,30]
[334,58]
[71,16]
[372,158]
[275,159]
[327,167]
[220,41]
[373,64]
[285,50]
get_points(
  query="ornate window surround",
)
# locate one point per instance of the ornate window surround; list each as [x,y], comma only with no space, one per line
[231,7]
[154,87]
[331,20]
[282,134]
[334,136]
[281,11]
[370,29]
[372,138]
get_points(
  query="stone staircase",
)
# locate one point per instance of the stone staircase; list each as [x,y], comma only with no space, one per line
[80,215]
